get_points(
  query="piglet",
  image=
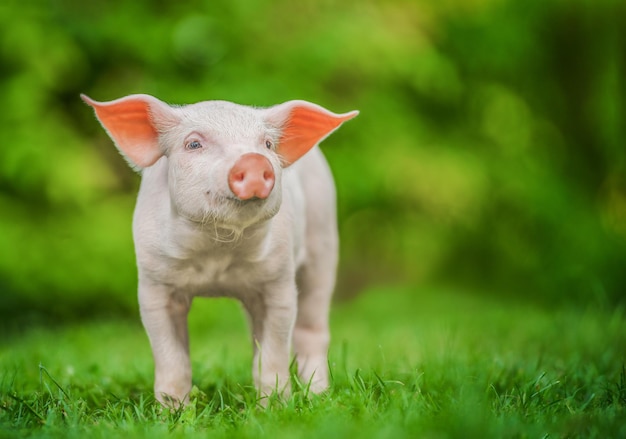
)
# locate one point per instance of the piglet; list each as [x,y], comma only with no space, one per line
[234,201]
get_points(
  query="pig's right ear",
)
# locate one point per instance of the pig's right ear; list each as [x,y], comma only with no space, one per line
[133,122]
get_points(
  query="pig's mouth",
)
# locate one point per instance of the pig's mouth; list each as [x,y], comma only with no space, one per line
[217,199]
[251,201]
[228,208]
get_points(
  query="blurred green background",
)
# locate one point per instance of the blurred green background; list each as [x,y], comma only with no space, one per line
[489,154]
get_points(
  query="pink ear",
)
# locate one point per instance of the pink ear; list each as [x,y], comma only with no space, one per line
[303,125]
[132,124]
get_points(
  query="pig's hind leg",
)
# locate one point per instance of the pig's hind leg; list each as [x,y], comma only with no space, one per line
[316,282]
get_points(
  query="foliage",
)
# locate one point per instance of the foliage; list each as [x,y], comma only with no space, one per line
[489,150]
[440,370]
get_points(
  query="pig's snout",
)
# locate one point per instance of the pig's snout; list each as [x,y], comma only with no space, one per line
[252,176]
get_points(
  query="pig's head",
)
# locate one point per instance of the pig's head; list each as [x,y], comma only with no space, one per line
[225,160]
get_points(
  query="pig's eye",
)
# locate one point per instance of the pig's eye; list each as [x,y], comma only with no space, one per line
[194,144]
[268,144]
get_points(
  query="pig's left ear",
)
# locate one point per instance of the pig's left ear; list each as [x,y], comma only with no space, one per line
[302,125]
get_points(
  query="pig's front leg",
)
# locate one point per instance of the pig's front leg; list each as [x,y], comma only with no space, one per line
[272,316]
[164,316]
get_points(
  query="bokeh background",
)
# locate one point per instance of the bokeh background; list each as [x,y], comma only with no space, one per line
[489,155]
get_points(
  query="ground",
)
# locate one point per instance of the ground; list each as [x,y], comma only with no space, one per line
[405,363]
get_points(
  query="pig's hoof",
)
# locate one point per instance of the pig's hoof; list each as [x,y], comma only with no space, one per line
[318,386]
[170,401]
[314,380]
[272,394]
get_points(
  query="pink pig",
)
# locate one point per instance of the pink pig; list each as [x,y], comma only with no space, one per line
[234,201]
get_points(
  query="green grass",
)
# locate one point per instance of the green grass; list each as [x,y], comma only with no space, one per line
[405,363]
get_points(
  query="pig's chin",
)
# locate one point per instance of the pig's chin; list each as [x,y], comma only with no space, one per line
[231,213]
